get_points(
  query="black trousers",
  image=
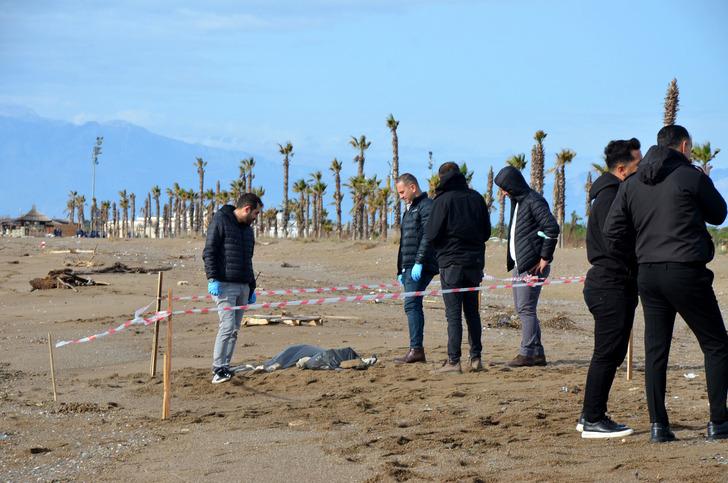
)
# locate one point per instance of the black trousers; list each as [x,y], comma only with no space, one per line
[456,304]
[686,289]
[613,310]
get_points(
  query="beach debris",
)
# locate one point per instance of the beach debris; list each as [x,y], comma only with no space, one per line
[182,283]
[119,267]
[288,265]
[65,278]
[293,320]
[690,375]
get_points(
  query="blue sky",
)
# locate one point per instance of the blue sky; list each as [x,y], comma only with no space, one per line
[469,80]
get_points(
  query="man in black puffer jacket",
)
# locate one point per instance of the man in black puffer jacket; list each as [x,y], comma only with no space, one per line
[667,203]
[416,264]
[458,228]
[228,257]
[528,254]
[610,292]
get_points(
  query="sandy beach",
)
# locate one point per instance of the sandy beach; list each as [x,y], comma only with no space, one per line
[387,423]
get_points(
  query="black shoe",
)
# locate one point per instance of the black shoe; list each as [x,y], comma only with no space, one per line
[717,430]
[539,360]
[222,374]
[605,428]
[660,433]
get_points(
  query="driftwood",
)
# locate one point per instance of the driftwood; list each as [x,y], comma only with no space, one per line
[119,267]
[295,320]
[65,278]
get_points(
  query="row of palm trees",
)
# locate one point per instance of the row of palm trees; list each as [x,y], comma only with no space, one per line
[189,211]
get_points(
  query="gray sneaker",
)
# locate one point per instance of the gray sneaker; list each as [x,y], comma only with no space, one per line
[449,367]
[476,365]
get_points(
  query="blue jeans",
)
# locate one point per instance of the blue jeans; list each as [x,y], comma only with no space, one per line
[413,307]
[231,295]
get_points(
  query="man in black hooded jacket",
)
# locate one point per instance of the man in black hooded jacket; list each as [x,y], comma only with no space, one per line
[532,235]
[610,292]
[458,228]
[667,203]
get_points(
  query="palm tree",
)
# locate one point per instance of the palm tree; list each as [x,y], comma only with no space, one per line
[704,154]
[132,200]
[319,189]
[237,188]
[80,203]
[300,188]
[104,212]
[518,161]
[384,208]
[287,152]
[249,166]
[393,124]
[489,191]
[356,189]
[361,145]
[156,192]
[244,171]
[372,188]
[537,162]
[587,187]
[432,183]
[177,208]
[115,216]
[335,168]
[502,214]
[672,101]
[71,206]
[191,195]
[124,205]
[169,232]
[259,191]
[600,168]
[564,157]
[200,165]
[468,174]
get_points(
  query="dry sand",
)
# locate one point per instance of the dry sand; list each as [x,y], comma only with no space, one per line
[384,424]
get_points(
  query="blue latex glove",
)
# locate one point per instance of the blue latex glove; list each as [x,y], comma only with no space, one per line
[400,278]
[416,273]
[213,287]
[252,298]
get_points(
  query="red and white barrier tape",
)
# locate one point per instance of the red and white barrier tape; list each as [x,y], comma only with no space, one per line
[351,288]
[365,298]
[139,320]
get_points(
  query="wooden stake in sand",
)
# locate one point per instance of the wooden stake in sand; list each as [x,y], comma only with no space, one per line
[630,351]
[155,337]
[168,362]
[53,366]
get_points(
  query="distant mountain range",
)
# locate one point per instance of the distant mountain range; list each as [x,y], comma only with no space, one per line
[41,160]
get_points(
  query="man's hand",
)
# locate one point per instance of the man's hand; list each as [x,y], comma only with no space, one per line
[252,298]
[400,278]
[213,287]
[539,267]
[416,273]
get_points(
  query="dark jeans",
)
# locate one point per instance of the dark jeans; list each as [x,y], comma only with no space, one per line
[456,276]
[686,289]
[613,311]
[413,307]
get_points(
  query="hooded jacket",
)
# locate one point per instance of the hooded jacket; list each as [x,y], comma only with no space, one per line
[412,246]
[667,203]
[459,224]
[228,253]
[533,216]
[610,268]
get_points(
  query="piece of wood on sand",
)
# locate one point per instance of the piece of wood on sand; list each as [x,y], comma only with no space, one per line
[294,320]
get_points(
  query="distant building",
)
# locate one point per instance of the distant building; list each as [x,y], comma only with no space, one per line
[33,223]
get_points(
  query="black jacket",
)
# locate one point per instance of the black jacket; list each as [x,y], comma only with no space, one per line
[412,246]
[610,268]
[229,247]
[667,202]
[533,216]
[459,224]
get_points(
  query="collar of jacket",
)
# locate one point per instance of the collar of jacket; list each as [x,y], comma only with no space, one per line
[451,181]
[604,181]
[416,200]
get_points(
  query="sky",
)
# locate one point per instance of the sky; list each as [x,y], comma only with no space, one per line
[468,80]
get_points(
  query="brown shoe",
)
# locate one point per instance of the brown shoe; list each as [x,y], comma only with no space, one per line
[448,368]
[476,365]
[413,355]
[539,360]
[522,361]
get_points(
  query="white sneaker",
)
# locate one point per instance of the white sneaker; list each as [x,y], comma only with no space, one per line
[221,375]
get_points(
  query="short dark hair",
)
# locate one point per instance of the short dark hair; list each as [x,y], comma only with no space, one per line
[407,179]
[672,136]
[447,167]
[249,199]
[620,152]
